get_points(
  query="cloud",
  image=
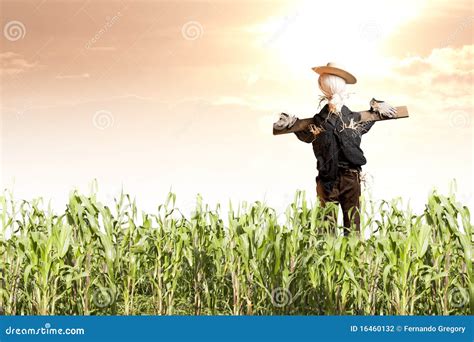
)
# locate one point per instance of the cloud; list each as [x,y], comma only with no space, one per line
[443,79]
[444,60]
[73,77]
[12,63]
[413,66]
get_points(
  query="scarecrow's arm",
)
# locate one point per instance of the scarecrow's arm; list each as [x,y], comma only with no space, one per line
[302,124]
[305,136]
[364,127]
[309,134]
[361,126]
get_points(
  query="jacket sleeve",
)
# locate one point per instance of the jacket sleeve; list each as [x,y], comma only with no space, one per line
[362,127]
[305,136]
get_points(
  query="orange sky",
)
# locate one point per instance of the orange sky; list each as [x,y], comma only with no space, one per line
[153,95]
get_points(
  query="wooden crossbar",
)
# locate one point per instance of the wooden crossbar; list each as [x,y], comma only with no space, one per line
[302,124]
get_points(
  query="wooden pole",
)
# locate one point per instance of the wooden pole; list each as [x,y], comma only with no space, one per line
[302,124]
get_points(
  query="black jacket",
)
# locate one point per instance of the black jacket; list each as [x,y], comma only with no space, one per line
[338,145]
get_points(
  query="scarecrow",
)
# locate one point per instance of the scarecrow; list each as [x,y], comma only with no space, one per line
[335,134]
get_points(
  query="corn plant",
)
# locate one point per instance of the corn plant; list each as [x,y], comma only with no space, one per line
[96,259]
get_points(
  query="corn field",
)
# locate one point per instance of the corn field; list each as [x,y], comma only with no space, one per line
[94,259]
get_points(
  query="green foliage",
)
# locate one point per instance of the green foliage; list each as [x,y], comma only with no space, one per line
[93,259]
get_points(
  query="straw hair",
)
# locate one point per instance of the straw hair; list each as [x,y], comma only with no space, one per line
[333,88]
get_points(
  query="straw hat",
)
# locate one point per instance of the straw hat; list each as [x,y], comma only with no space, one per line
[334,69]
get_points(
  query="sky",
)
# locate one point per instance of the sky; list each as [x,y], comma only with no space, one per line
[150,96]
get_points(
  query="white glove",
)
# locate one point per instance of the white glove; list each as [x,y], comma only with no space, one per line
[285,121]
[383,108]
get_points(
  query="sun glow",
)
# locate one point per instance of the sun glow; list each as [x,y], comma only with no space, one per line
[320,31]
